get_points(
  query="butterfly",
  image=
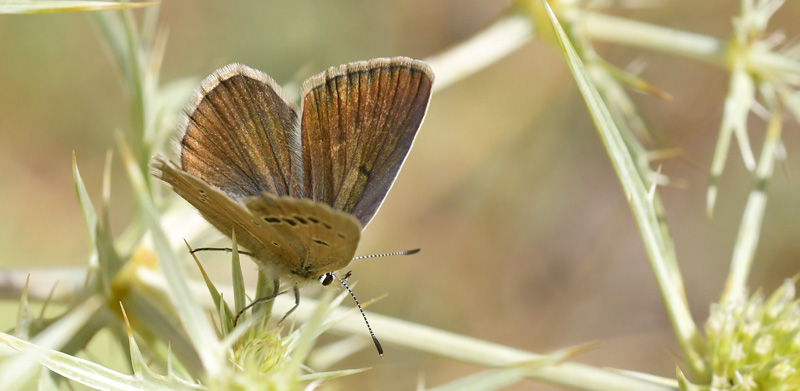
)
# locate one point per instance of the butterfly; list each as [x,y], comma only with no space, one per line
[298,184]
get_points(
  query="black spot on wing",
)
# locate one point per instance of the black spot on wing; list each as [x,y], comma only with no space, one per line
[321,242]
[271,220]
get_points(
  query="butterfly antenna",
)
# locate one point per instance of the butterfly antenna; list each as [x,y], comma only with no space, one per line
[407,252]
[371,333]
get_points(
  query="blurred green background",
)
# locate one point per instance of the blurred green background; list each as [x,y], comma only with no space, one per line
[526,237]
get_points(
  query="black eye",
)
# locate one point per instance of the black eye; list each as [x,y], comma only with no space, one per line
[326,279]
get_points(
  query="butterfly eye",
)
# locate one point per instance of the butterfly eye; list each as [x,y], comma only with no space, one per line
[326,279]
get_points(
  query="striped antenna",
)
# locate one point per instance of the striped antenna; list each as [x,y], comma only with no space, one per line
[407,252]
[363,315]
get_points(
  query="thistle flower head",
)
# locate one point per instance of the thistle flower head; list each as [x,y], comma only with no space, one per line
[754,343]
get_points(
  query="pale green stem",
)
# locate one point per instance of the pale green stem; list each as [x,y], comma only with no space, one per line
[415,336]
[773,63]
[750,227]
[511,33]
[739,100]
[648,36]
[479,51]
[702,47]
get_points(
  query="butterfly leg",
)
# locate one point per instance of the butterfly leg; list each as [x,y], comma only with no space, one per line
[275,293]
[226,249]
[296,303]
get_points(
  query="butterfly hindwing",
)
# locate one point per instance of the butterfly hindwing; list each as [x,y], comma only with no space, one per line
[240,134]
[358,124]
[326,239]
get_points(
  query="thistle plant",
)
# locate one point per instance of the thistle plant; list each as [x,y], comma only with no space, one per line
[178,332]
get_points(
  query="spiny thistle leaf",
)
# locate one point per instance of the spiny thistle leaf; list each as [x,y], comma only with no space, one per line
[90,374]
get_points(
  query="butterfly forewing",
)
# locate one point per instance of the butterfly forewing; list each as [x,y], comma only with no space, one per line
[304,238]
[358,124]
[221,211]
[240,135]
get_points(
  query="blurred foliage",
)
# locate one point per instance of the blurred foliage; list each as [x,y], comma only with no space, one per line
[526,235]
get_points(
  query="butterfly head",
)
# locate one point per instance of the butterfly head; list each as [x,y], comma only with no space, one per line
[326,279]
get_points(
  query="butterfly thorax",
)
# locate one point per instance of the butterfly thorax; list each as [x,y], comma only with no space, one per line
[308,271]
[302,274]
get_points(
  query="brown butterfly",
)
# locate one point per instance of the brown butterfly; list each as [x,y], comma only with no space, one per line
[298,188]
